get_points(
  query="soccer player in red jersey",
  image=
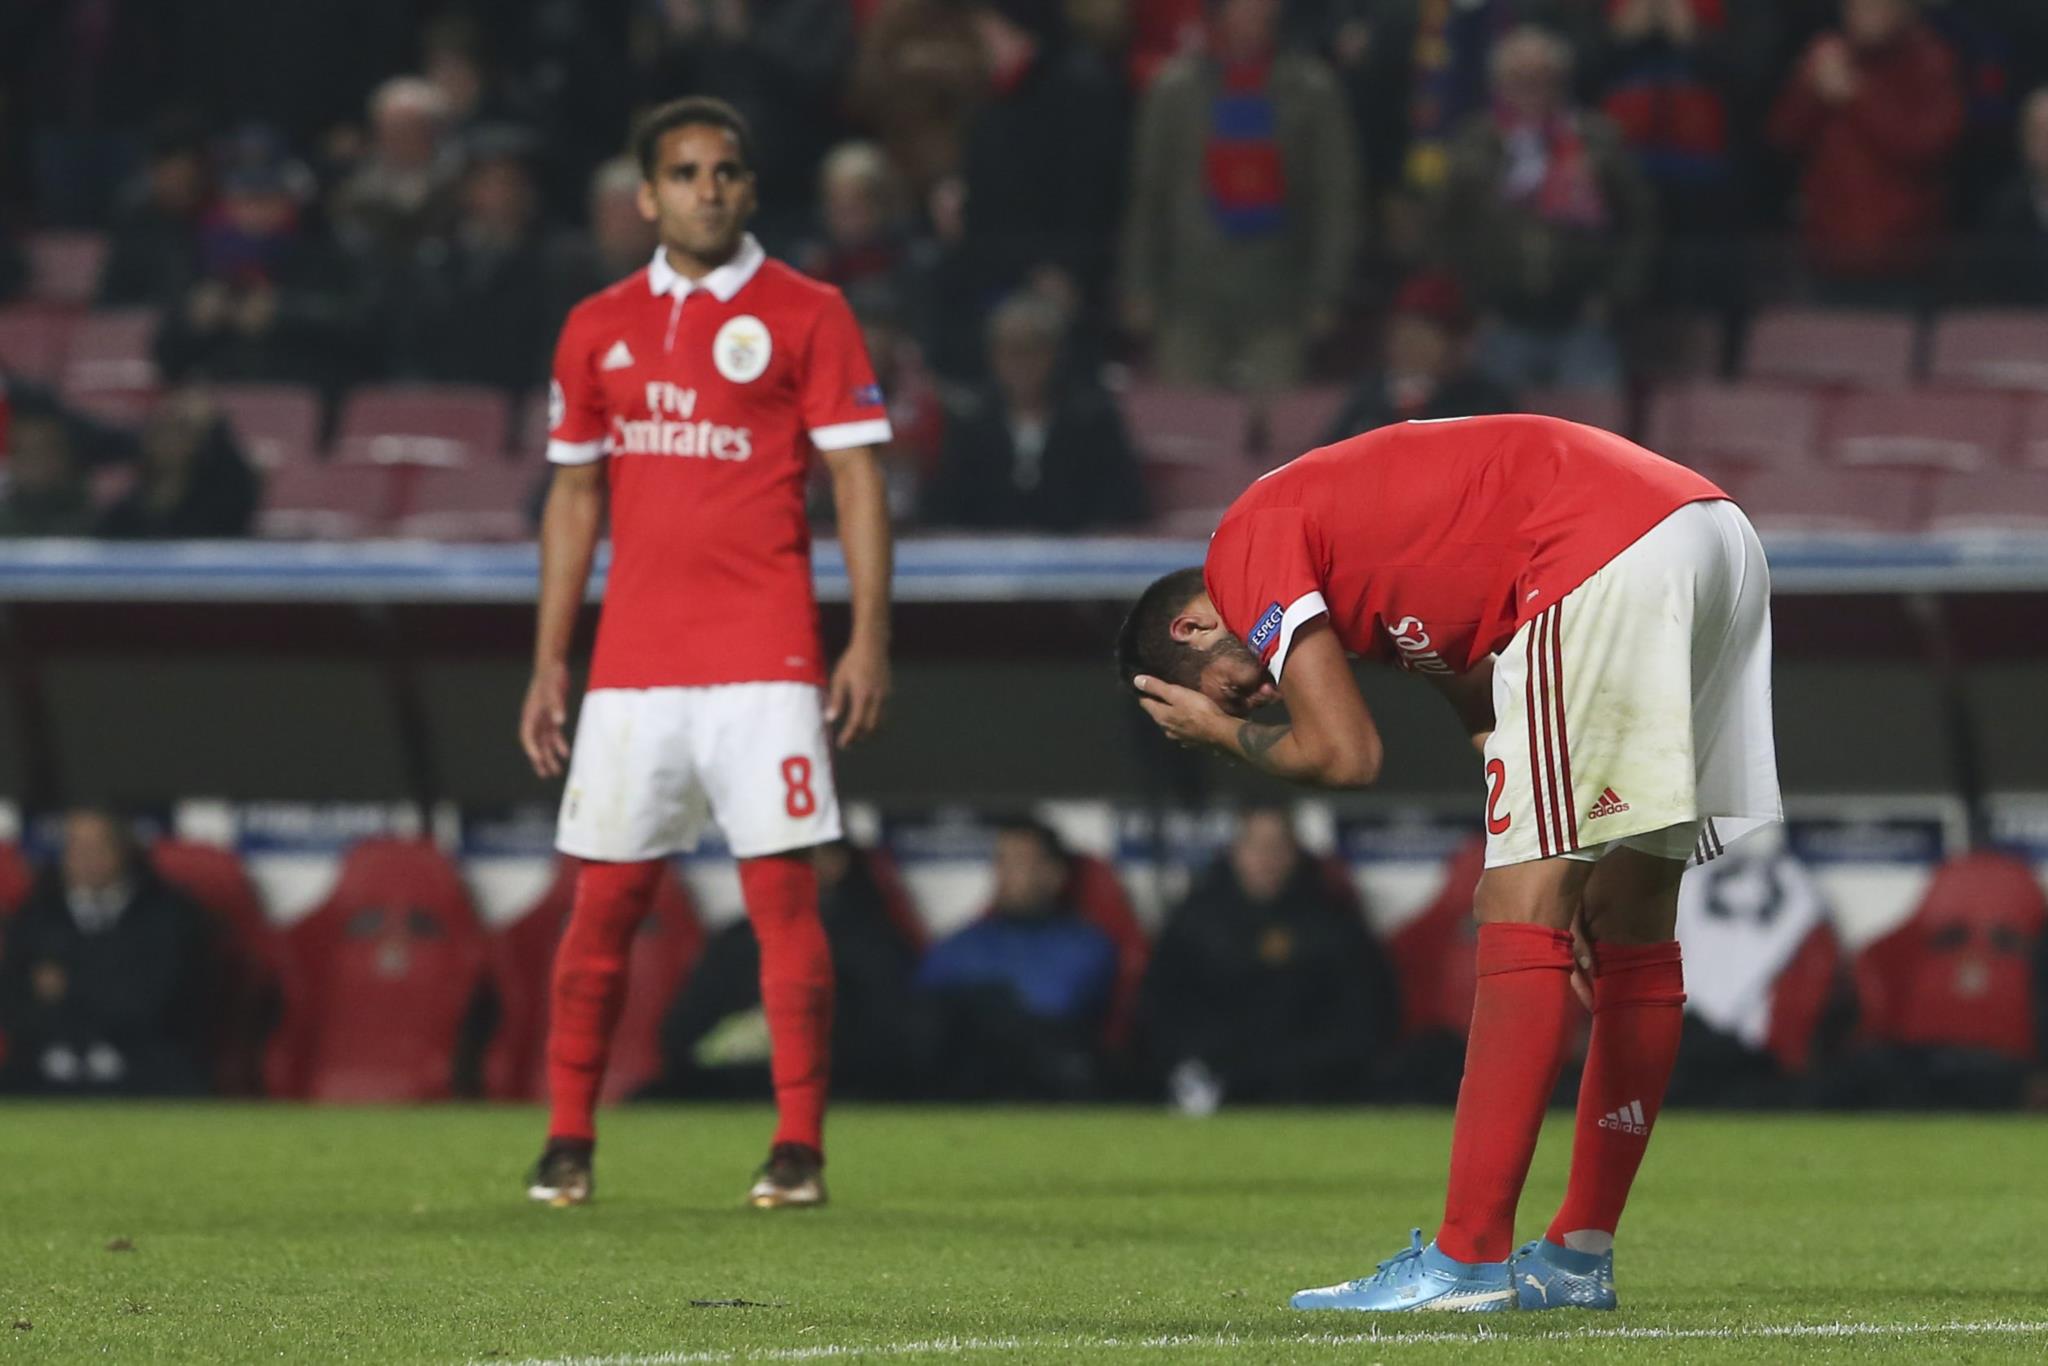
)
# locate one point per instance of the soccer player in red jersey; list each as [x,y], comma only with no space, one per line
[688,398]
[1599,617]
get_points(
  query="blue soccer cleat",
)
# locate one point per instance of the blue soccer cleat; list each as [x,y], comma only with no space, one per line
[1547,1276]
[1419,1278]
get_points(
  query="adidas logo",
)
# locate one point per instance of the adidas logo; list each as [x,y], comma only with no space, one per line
[1609,804]
[1627,1120]
[618,358]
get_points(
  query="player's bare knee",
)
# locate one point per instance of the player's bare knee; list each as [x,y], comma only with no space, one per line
[1632,898]
[1541,892]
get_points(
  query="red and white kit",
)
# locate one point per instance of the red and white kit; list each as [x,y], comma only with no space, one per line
[1626,599]
[706,399]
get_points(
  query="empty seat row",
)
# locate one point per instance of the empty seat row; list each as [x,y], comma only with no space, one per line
[341,501]
[1775,425]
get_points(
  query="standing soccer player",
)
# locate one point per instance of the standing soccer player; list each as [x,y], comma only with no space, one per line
[1600,619]
[689,397]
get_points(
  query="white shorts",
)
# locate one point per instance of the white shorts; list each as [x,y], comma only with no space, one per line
[652,767]
[1637,711]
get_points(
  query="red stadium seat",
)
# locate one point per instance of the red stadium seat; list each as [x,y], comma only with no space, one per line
[473,503]
[664,951]
[1991,500]
[17,875]
[1300,421]
[1992,349]
[327,502]
[64,267]
[112,352]
[1920,430]
[277,424]
[1800,998]
[1959,973]
[245,998]
[1593,407]
[1432,955]
[1095,890]
[530,434]
[2033,439]
[1824,499]
[1748,424]
[34,342]
[897,902]
[423,424]
[1865,350]
[383,981]
[1200,427]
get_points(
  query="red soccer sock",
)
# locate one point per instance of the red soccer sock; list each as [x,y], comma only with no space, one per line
[1521,1022]
[589,988]
[796,990]
[1638,992]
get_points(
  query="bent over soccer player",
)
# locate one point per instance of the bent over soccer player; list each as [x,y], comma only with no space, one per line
[1600,619]
[692,393]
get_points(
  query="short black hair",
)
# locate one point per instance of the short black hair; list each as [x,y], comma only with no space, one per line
[1146,645]
[693,109]
[1038,832]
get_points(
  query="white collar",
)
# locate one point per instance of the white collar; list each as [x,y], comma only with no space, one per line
[723,282]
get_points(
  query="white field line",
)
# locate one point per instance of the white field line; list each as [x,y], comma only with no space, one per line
[1226,1341]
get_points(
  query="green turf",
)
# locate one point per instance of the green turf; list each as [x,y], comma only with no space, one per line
[322,1235]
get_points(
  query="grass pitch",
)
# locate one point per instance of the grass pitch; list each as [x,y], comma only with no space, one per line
[239,1234]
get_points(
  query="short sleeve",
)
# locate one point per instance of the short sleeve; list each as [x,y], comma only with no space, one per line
[842,404]
[1261,574]
[576,420]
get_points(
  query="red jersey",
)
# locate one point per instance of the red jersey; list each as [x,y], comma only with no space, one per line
[707,398]
[1432,542]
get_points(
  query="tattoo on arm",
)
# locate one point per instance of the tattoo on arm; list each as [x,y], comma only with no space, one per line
[1254,741]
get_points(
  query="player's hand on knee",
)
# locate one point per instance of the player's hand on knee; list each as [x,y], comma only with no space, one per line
[858,695]
[544,719]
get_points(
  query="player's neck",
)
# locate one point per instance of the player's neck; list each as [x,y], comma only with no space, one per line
[694,268]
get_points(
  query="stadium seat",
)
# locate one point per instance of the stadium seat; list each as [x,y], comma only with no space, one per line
[34,342]
[111,352]
[468,503]
[245,999]
[1095,890]
[1991,500]
[1593,407]
[1822,499]
[1299,420]
[1851,348]
[1762,425]
[1991,349]
[664,951]
[385,982]
[530,432]
[2033,438]
[17,875]
[327,502]
[1922,430]
[64,267]
[1432,955]
[1800,999]
[277,424]
[1204,428]
[1959,973]
[897,902]
[423,424]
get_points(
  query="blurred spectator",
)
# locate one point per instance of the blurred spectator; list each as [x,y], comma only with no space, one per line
[1162,32]
[103,975]
[860,217]
[1265,986]
[917,413]
[153,246]
[918,73]
[404,188]
[1547,222]
[2017,256]
[1871,113]
[1019,995]
[455,58]
[1243,217]
[46,492]
[194,479]
[472,308]
[781,63]
[274,299]
[615,241]
[76,81]
[1425,367]
[715,1038]
[1028,452]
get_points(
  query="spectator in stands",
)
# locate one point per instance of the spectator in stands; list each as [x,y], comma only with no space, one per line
[1029,452]
[1425,368]
[1018,997]
[715,1038]
[1547,221]
[153,245]
[917,75]
[194,480]
[46,490]
[1243,213]
[1266,986]
[917,413]
[471,308]
[1871,114]
[860,220]
[274,299]
[103,975]
[2016,270]
[403,190]
[614,241]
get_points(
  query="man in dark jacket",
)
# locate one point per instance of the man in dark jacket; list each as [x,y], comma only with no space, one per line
[1266,986]
[194,480]
[103,975]
[1425,369]
[2015,269]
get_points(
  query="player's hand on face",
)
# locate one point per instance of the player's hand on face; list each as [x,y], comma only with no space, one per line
[1186,716]
[544,720]
[858,693]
